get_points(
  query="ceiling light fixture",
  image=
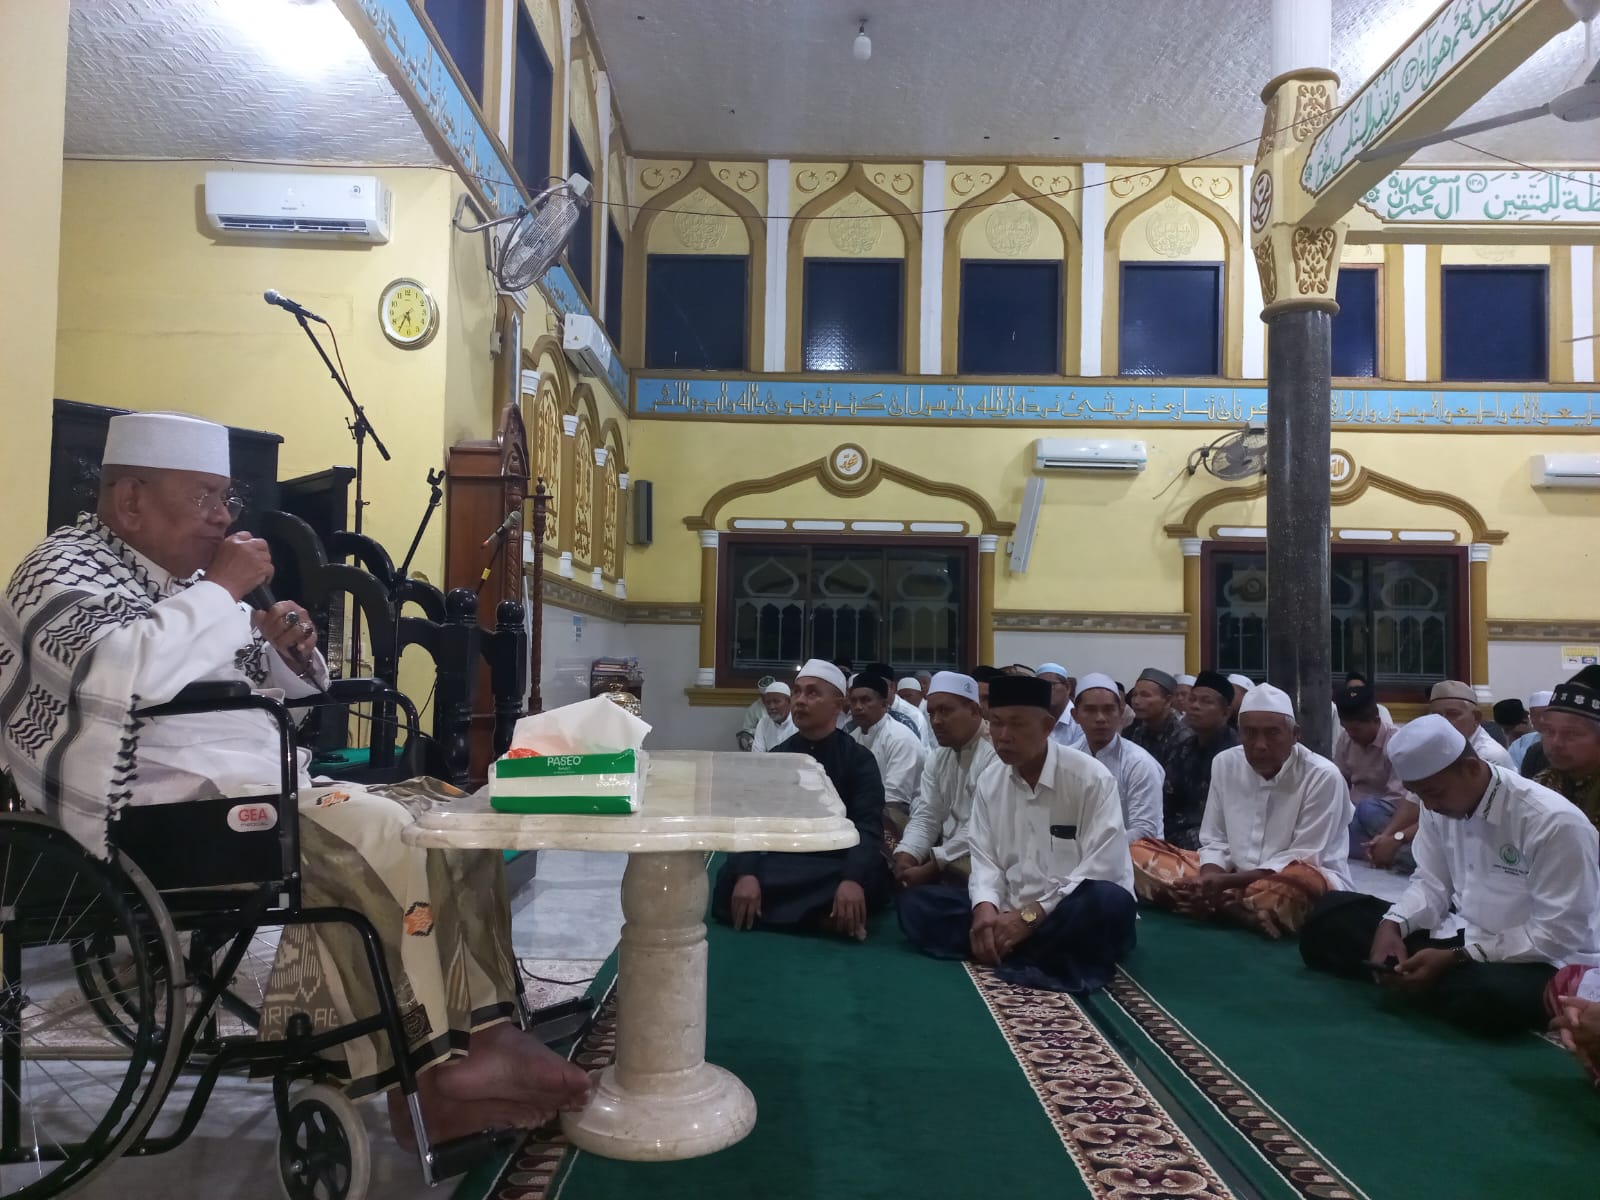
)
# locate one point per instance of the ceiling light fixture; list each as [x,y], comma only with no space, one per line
[862,46]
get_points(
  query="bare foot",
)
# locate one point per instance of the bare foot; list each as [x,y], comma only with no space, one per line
[504,1063]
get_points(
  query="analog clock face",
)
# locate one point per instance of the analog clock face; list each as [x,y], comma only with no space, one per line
[408,314]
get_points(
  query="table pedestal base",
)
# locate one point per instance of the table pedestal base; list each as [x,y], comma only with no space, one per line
[660,1099]
[713,1112]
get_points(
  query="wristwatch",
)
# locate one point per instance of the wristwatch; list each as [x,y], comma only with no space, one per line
[1030,914]
[1400,836]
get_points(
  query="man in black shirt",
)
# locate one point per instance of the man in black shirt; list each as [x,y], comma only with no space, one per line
[1189,774]
[829,889]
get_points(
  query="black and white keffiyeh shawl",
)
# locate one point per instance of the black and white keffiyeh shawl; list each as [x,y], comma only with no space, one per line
[70,737]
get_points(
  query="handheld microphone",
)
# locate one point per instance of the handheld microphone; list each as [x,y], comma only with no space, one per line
[260,598]
[275,297]
[514,517]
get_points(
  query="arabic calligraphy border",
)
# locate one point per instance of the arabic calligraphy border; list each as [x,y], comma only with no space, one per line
[1381,200]
[1055,403]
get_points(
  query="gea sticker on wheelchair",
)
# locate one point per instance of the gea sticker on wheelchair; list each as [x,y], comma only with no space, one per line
[252,818]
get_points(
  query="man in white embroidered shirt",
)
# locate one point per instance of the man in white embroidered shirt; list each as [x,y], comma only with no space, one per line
[776,725]
[1050,901]
[1274,838]
[933,847]
[1140,779]
[896,748]
[1520,866]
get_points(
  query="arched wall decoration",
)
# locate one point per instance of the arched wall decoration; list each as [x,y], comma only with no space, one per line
[877,472]
[1171,185]
[1012,182]
[583,404]
[610,515]
[1364,479]
[544,355]
[634,269]
[611,437]
[856,182]
[583,495]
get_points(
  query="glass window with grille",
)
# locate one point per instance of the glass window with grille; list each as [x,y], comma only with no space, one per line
[1355,326]
[906,603]
[1170,321]
[1396,617]
[851,316]
[532,89]
[1494,322]
[462,26]
[1010,318]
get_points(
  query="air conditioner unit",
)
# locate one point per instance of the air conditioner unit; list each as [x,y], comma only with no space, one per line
[1084,454]
[1564,470]
[332,208]
[586,345]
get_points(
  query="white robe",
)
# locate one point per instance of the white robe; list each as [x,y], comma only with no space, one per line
[898,752]
[943,809]
[1140,785]
[770,734]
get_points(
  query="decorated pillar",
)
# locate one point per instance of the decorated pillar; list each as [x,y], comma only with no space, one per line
[597,574]
[1298,265]
[1191,605]
[1478,619]
[622,541]
[987,544]
[706,676]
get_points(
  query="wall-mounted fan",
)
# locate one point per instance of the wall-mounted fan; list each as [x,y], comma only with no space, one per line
[1237,455]
[1580,102]
[520,257]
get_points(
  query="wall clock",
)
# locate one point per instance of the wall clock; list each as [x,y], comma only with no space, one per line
[408,314]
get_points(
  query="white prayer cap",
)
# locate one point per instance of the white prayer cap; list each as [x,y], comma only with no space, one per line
[1185,680]
[1096,680]
[781,689]
[1540,699]
[1052,669]
[1243,682]
[167,441]
[909,684]
[1424,747]
[1266,698]
[821,668]
[953,683]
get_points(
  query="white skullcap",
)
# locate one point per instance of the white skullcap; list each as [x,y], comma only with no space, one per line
[821,668]
[1185,680]
[909,684]
[1266,698]
[1424,747]
[1243,682]
[1096,680]
[781,689]
[1540,699]
[167,441]
[1052,669]
[953,683]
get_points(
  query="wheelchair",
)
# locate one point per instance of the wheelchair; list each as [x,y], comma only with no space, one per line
[117,976]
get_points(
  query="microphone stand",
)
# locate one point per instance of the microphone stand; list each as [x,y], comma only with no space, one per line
[500,536]
[435,478]
[359,428]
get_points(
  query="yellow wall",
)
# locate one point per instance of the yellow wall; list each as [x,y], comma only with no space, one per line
[33,88]
[1100,543]
[156,313]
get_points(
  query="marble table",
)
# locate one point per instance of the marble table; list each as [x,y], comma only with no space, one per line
[660,1099]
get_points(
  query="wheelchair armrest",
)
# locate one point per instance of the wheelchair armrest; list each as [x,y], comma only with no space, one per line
[220,696]
[363,690]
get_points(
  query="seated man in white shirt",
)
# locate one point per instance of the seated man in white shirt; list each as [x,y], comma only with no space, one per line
[1457,703]
[1274,839]
[934,844]
[1050,901]
[1140,779]
[776,725]
[897,750]
[1519,864]
[1063,691]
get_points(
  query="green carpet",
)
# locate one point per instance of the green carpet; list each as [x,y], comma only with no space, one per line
[835,1041]
[1404,1105]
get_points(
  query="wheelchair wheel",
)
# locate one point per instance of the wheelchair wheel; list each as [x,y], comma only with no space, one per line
[73,1096]
[323,1151]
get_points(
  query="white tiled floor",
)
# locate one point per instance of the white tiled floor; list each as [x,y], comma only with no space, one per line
[565,923]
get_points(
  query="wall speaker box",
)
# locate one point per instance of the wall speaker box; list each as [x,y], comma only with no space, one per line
[643,524]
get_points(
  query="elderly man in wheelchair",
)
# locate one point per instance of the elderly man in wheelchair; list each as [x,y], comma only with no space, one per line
[394,972]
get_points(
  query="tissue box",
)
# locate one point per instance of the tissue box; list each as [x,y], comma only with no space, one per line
[567,783]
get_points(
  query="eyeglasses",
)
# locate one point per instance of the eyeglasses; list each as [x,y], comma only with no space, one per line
[212,501]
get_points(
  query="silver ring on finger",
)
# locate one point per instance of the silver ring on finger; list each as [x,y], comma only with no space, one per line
[291,619]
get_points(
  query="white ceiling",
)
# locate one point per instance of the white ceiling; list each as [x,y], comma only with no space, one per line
[274,80]
[1075,79]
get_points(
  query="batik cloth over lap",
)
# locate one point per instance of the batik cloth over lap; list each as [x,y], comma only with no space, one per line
[442,916]
[1286,896]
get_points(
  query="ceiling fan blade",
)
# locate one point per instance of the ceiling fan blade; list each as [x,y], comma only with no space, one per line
[1412,145]
[1594,73]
